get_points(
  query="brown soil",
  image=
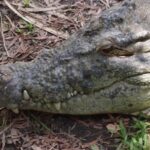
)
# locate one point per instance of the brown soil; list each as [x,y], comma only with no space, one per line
[41,131]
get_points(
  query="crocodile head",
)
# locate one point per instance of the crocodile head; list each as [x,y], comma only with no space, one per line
[113,54]
[110,70]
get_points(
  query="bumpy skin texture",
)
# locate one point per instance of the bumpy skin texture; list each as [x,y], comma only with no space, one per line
[104,68]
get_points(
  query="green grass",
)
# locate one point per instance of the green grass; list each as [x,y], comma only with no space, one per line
[26,3]
[26,28]
[137,139]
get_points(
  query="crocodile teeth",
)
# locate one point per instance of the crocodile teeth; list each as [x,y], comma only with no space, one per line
[15,110]
[57,106]
[75,92]
[26,95]
[69,95]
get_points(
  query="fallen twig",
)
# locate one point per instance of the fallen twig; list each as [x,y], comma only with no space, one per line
[5,129]
[36,23]
[38,9]
[3,37]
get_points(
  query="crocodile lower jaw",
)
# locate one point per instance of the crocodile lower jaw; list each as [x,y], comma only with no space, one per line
[100,100]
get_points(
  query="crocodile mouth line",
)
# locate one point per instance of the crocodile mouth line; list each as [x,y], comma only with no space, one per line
[106,87]
[79,98]
[123,79]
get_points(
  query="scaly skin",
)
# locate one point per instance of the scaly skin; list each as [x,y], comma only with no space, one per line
[104,68]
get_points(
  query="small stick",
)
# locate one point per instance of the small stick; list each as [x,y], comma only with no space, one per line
[6,128]
[36,23]
[3,37]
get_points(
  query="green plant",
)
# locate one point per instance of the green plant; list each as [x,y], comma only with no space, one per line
[139,139]
[18,30]
[94,147]
[29,27]
[26,3]
[123,133]
[25,28]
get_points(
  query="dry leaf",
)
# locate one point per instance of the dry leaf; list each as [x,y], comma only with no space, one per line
[113,128]
[15,135]
[34,147]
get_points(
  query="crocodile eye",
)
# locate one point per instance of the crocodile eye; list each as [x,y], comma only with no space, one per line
[112,51]
[107,51]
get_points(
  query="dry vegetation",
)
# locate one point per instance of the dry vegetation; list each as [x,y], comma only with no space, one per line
[28,26]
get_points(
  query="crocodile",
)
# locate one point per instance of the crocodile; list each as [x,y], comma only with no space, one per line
[103,68]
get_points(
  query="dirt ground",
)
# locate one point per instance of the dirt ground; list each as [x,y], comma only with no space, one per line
[27,27]
[41,131]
